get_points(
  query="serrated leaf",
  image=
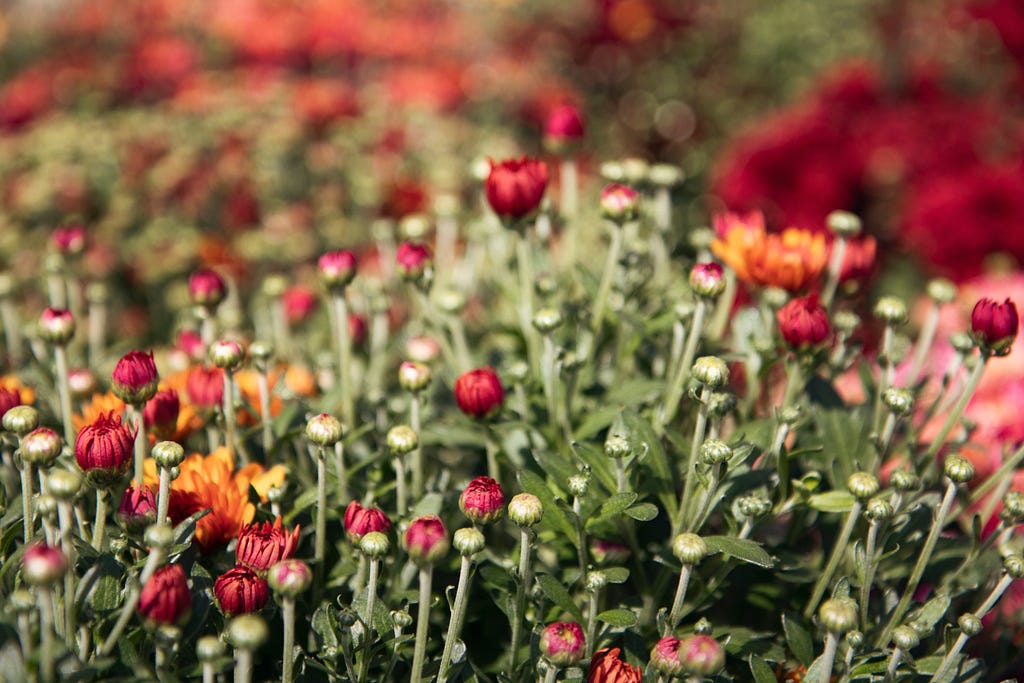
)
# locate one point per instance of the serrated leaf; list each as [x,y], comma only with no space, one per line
[644,512]
[797,638]
[832,501]
[760,670]
[556,593]
[618,617]
[741,548]
[616,574]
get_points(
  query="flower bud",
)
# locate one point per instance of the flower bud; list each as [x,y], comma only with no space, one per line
[619,203]
[360,521]
[563,129]
[905,638]
[689,548]
[159,536]
[68,240]
[422,349]
[707,280]
[261,546]
[135,378]
[205,387]
[958,469]
[413,259]
[479,393]
[863,485]
[855,639]
[698,655]
[413,376]
[525,509]
[1013,507]
[941,290]
[753,505]
[206,288]
[400,619]
[42,565]
[482,501]
[374,545]
[209,649]
[324,430]
[970,625]
[402,439]
[562,643]
[899,400]
[22,601]
[1013,565]
[515,188]
[168,454]
[846,322]
[56,326]
[227,354]
[261,351]
[891,311]
[878,510]
[838,615]
[994,326]
[21,420]
[711,371]
[137,509]
[41,447]
[547,320]
[578,485]
[426,540]
[617,446]
[165,599]
[46,506]
[64,484]
[248,632]
[240,590]
[161,413]
[104,448]
[290,578]
[715,451]
[904,480]
[843,223]
[337,270]
[803,323]
[469,541]
[607,553]
[665,175]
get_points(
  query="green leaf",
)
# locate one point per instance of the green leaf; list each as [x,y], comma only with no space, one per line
[430,504]
[933,611]
[832,501]
[617,504]
[618,617]
[104,581]
[556,593]
[325,626]
[616,574]
[644,512]
[554,517]
[797,638]
[662,482]
[818,671]
[761,671]
[740,548]
[844,435]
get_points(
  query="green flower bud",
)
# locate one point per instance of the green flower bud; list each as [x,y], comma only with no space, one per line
[891,310]
[469,541]
[958,469]
[845,322]
[22,601]
[702,627]
[970,625]
[855,639]
[838,615]
[578,485]
[689,548]
[248,632]
[665,175]
[961,342]
[451,301]
[720,403]
[209,649]
[1014,566]
[402,439]
[21,420]
[545,285]
[753,506]
[878,510]
[547,320]
[324,430]
[712,371]
[262,352]
[525,510]
[715,451]
[159,536]
[596,580]
[905,638]
[41,447]
[843,223]
[400,619]
[941,290]
[863,485]
[617,446]
[904,480]
[168,454]
[374,544]
[899,400]
[1013,506]
[518,372]
[64,484]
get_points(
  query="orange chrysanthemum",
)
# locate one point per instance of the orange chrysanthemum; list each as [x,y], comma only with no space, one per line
[792,259]
[97,405]
[212,482]
[297,380]
[12,383]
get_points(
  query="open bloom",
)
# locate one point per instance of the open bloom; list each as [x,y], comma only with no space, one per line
[166,598]
[791,260]
[515,188]
[262,545]
[240,591]
[606,667]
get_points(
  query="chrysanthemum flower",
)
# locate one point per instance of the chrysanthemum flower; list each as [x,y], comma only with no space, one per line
[791,260]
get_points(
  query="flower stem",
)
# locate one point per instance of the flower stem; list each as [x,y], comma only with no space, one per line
[26,500]
[691,463]
[990,602]
[457,618]
[835,266]
[401,498]
[592,608]
[371,604]
[344,358]
[924,344]
[519,606]
[339,466]
[266,425]
[958,410]
[677,602]
[243,665]
[64,513]
[12,336]
[288,617]
[163,495]
[922,561]
[831,645]
[156,556]
[833,561]
[46,660]
[869,573]
[422,624]
[620,474]
[894,663]
[606,279]
[885,379]
[230,422]
[675,390]
[101,519]
[551,675]
[526,299]
[417,454]
[60,357]
[320,542]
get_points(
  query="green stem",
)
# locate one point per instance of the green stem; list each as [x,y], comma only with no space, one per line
[691,463]
[885,379]
[163,495]
[457,618]
[995,479]
[156,557]
[592,608]
[141,442]
[833,561]
[519,606]
[678,385]
[894,663]
[958,410]
[417,454]
[339,466]
[924,344]
[288,653]
[60,357]
[64,513]
[243,665]
[230,421]
[829,656]
[344,358]
[922,562]
[266,424]
[723,308]
[548,377]
[47,665]
[101,519]
[835,266]
[677,602]
[869,573]
[401,498]
[706,504]
[606,279]
[961,640]
[620,474]
[422,624]
[320,541]
[551,675]
[526,300]
[26,500]
[371,604]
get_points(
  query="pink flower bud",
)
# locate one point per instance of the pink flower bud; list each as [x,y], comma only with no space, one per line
[56,326]
[299,302]
[608,552]
[240,591]
[41,446]
[562,643]
[482,501]
[479,392]
[994,326]
[422,349]
[137,509]
[707,280]
[290,577]
[413,376]
[161,413]
[42,565]
[166,598]
[81,382]
[356,329]
[563,129]
[206,288]
[135,377]
[804,323]
[413,259]
[262,545]
[360,521]
[515,188]
[619,203]
[337,269]
[69,239]
[426,540]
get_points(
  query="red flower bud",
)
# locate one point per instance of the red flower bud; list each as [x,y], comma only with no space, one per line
[69,239]
[206,288]
[337,269]
[360,521]
[563,129]
[240,591]
[479,392]
[298,303]
[413,258]
[426,540]
[166,598]
[135,378]
[161,413]
[562,643]
[356,329]
[42,565]
[803,323]
[56,326]
[858,259]
[701,656]
[192,344]
[994,326]
[619,203]
[9,398]
[608,552]
[262,545]
[205,387]
[482,501]
[104,448]
[606,667]
[515,188]
[667,657]
[137,509]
